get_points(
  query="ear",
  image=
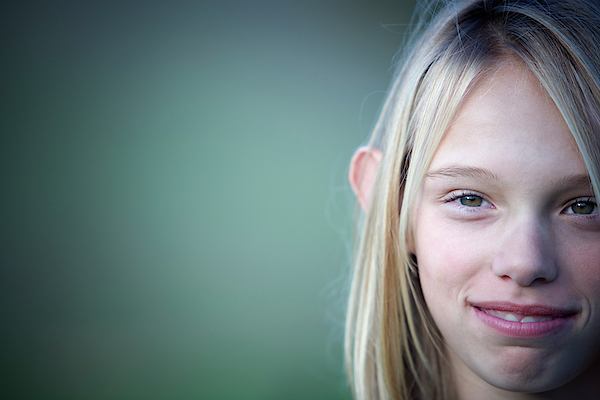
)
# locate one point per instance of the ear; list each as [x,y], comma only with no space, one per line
[363,169]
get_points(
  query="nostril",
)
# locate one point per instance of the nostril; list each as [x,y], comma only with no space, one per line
[526,256]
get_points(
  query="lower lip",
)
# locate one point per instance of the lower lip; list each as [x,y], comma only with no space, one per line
[525,329]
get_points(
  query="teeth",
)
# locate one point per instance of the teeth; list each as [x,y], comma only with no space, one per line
[510,317]
[516,318]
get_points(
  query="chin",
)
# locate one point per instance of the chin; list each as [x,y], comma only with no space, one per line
[525,385]
[531,377]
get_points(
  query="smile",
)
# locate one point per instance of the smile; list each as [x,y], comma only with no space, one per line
[525,321]
[509,316]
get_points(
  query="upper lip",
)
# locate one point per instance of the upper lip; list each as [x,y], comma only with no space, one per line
[526,309]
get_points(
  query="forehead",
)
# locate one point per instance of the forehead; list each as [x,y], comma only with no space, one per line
[508,123]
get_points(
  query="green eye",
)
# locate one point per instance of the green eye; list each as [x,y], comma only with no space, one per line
[471,201]
[583,207]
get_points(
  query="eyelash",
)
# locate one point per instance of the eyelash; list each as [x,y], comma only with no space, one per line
[452,197]
[589,200]
[464,193]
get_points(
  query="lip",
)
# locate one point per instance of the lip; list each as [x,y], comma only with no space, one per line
[563,318]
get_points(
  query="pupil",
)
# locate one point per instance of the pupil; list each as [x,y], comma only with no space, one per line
[471,201]
[583,207]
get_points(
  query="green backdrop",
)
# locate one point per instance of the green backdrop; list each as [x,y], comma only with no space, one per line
[175,218]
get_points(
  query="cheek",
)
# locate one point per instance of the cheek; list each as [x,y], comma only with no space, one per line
[448,259]
[448,269]
[582,266]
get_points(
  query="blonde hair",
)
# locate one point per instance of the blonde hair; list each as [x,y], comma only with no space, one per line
[393,349]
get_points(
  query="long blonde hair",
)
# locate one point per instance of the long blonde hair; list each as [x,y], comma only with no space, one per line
[393,349]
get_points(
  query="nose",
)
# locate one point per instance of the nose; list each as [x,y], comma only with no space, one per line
[526,253]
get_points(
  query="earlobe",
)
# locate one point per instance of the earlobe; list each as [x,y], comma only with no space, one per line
[363,170]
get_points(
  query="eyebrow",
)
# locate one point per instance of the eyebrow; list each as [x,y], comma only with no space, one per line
[457,171]
[574,181]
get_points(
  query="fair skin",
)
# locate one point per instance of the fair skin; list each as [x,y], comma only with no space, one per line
[507,239]
[506,228]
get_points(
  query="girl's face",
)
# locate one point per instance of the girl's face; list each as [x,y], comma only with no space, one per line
[507,239]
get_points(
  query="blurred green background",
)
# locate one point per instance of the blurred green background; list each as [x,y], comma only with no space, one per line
[175,219]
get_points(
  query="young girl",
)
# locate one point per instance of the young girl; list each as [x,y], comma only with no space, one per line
[478,270]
